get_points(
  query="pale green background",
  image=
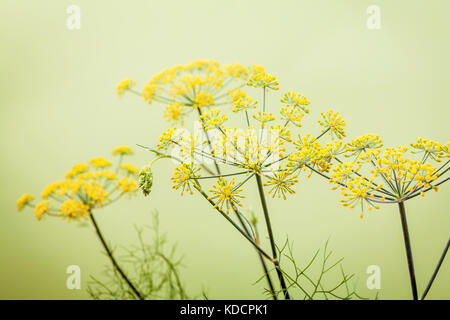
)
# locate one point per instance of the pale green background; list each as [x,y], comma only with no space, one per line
[58,106]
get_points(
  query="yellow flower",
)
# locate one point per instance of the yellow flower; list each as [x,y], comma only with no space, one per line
[432,148]
[333,123]
[364,143]
[281,183]
[41,208]
[95,194]
[237,71]
[391,175]
[259,78]
[99,162]
[226,193]
[129,168]
[296,100]
[74,210]
[291,114]
[122,151]
[125,85]
[203,99]
[183,176]
[77,169]
[213,119]
[175,112]
[359,191]
[263,117]
[149,91]
[241,101]
[24,200]
[166,138]
[84,190]
[127,185]
[308,152]
[108,174]
[51,189]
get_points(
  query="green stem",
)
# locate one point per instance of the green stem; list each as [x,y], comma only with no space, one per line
[266,273]
[271,237]
[320,135]
[263,263]
[409,257]
[234,224]
[111,257]
[246,116]
[436,270]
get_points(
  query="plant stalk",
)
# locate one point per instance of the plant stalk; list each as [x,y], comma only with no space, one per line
[436,270]
[263,263]
[409,256]
[272,241]
[266,273]
[111,257]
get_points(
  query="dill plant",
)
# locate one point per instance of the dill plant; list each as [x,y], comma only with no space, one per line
[215,93]
[265,151]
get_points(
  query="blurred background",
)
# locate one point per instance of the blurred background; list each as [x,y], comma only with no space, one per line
[58,106]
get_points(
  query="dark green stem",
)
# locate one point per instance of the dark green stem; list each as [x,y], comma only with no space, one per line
[409,256]
[235,225]
[266,273]
[113,260]
[263,263]
[324,132]
[436,270]
[271,237]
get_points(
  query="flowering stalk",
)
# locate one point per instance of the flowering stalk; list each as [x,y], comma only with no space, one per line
[113,260]
[271,237]
[199,86]
[402,179]
[436,270]
[88,186]
[409,256]
[263,263]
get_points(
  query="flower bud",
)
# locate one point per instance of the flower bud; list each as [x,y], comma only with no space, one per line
[146,180]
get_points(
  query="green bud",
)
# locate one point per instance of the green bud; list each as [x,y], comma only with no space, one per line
[146,180]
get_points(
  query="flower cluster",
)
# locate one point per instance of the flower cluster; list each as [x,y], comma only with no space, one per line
[125,85]
[293,99]
[431,148]
[197,85]
[259,78]
[241,101]
[333,123]
[226,194]
[375,176]
[264,149]
[363,143]
[86,186]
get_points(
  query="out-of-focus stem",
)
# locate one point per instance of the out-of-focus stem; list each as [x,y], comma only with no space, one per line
[113,260]
[436,270]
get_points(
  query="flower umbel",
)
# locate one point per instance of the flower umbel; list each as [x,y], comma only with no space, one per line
[333,123]
[85,188]
[226,194]
[183,176]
